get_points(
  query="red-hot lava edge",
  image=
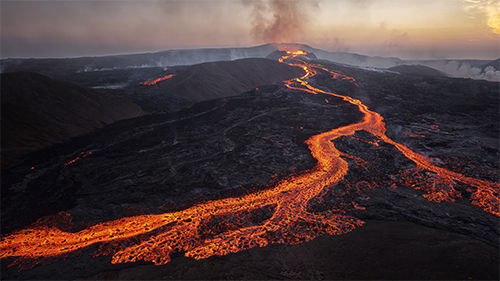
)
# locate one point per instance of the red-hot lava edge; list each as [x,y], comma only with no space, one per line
[155,237]
[154,82]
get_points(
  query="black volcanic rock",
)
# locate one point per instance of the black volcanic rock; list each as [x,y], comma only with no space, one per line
[227,78]
[149,161]
[380,250]
[236,145]
[38,111]
[418,70]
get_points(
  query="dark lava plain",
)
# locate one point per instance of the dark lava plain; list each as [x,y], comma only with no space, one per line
[235,145]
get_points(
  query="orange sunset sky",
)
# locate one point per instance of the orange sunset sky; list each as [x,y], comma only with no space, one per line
[409,29]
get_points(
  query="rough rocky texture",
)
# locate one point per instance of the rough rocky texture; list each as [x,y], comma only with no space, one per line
[452,121]
[144,163]
[37,111]
[231,146]
[377,251]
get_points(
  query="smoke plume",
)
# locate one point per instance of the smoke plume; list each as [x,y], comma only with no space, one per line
[279,21]
[465,70]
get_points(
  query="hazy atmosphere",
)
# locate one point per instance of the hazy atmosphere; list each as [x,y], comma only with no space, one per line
[424,29]
[250,140]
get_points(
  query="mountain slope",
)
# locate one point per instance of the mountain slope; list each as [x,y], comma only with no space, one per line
[227,78]
[418,70]
[66,68]
[38,111]
[495,64]
[61,68]
[69,68]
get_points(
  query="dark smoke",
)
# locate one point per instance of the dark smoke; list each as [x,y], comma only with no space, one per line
[279,21]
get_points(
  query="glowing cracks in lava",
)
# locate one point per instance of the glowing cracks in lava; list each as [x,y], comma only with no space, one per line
[154,82]
[82,155]
[276,215]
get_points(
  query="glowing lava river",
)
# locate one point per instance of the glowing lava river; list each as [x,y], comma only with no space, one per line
[230,225]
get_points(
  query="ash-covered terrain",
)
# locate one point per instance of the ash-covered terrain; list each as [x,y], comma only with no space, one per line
[245,141]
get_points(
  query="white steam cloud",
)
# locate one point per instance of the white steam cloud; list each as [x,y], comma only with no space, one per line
[465,70]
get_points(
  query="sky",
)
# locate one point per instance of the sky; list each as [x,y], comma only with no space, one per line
[408,29]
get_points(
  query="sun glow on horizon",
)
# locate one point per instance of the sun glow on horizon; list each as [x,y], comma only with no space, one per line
[423,29]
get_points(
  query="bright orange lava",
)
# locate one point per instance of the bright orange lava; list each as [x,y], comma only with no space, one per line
[153,82]
[219,227]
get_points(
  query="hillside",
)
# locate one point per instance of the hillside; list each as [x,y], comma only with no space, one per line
[227,78]
[38,111]
[66,68]
[418,70]
[495,64]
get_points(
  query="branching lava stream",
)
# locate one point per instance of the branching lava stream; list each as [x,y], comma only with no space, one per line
[156,237]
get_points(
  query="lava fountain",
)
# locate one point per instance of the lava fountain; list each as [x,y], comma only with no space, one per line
[275,215]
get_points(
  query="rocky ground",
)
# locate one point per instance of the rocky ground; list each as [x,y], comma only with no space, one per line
[379,250]
[230,146]
[38,111]
[144,163]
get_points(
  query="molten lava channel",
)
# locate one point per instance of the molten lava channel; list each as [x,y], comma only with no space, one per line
[154,82]
[225,226]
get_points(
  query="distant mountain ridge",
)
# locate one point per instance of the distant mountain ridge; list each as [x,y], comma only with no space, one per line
[495,64]
[59,68]
[418,70]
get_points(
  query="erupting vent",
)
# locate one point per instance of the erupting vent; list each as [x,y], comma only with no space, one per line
[276,215]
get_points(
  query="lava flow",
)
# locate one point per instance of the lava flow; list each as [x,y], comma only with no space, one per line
[154,82]
[276,215]
[82,155]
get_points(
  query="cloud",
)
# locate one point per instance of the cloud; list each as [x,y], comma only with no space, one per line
[394,39]
[389,41]
[487,11]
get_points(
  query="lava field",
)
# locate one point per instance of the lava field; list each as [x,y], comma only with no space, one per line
[339,158]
